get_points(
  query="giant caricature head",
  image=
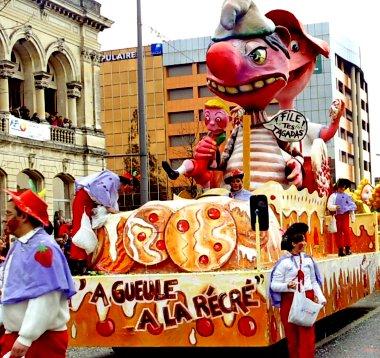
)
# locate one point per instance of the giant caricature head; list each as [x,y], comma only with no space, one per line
[303,49]
[248,62]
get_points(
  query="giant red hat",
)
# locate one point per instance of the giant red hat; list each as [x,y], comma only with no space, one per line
[30,203]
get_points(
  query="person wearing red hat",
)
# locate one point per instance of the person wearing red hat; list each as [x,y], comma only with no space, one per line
[234,178]
[36,283]
[96,189]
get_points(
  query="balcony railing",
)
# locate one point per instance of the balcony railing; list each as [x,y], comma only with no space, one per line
[62,135]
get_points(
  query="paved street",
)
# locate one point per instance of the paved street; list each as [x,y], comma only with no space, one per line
[352,333]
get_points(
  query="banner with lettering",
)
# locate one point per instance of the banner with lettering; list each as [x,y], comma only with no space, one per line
[28,129]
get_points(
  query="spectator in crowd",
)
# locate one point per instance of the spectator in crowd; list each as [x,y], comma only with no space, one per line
[67,123]
[234,178]
[37,283]
[34,118]
[58,220]
[15,112]
[292,269]
[25,113]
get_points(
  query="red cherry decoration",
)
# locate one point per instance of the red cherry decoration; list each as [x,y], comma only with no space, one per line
[105,328]
[141,236]
[213,213]
[160,244]
[183,225]
[272,197]
[203,260]
[155,330]
[153,217]
[204,327]
[217,246]
[247,326]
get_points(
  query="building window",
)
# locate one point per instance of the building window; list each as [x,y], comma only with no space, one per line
[29,179]
[181,117]
[343,156]
[350,138]
[203,91]
[51,92]
[63,192]
[340,86]
[179,70]
[342,133]
[363,105]
[202,67]
[366,167]
[273,108]
[348,115]
[364,125]
[180,93]
[201,115]
[16,83]
[350,159]
[181,140]
[364,145]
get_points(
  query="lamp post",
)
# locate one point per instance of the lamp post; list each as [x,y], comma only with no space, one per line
[144,182]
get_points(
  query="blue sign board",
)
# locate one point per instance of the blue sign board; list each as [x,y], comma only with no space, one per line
[156,49]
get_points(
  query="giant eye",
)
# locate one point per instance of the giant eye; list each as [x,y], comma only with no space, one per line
[295,47]
[258,55]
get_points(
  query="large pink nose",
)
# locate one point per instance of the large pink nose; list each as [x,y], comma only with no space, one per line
[224,62]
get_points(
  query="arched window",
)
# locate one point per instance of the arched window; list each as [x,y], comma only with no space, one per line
[30,179]
[63,192]
[16,84]
[51,92]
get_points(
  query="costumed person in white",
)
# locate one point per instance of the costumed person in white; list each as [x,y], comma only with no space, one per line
[99,189]
[343,207]
[292,269]
[235,179]
[36,283]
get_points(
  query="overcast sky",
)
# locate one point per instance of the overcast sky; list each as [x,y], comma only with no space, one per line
[179,19]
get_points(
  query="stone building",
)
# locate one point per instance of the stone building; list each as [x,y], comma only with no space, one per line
[49,67]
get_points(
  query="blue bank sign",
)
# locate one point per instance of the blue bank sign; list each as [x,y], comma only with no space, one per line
[155,50]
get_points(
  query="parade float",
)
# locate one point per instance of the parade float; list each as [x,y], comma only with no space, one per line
[195,272]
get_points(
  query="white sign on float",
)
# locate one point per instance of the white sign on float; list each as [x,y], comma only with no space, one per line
[288,126]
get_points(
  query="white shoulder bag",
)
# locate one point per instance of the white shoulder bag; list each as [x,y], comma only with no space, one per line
[303,311]
[85,237]
[332,228]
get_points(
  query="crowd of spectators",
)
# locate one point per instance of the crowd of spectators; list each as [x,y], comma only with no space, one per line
[53,119]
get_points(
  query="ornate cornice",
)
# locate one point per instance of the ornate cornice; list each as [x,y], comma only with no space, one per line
[74,89]
[90,55]
[82,11]
[7,68]
[41,79]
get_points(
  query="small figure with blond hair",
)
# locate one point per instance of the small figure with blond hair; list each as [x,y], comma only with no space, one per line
[216,116]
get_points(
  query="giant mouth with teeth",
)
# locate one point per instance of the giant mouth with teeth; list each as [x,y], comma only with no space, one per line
[253,86]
